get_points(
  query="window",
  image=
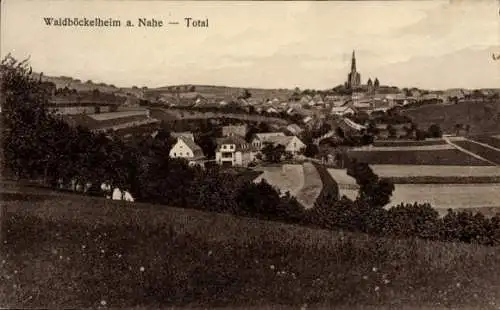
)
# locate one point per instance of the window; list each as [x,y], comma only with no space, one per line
[224,146]
[175,154]
[180,154]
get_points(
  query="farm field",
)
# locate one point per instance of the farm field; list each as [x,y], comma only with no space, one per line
[118,114]
[408,143]
[433,170]
[82,252]
[312,186]
[347,184]
[490,140]
[287,178]
[448,157]
[302,181]
[444,196]
[435,147]
[485,152]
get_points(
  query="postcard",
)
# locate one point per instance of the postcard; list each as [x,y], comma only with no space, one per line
[250,154]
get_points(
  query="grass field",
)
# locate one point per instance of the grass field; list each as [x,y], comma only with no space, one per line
[312,186]
[482,117]
[287,178]
[454,196]
[83,252]
[485,152]
[444,157]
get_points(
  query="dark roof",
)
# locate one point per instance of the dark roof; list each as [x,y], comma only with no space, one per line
[197,151]
[239,142]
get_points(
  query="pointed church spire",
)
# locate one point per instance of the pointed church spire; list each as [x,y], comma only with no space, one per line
[353,61]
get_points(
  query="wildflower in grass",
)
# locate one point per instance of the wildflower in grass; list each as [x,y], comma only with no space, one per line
[377,288]
[209,253]
[387,281]
[15,271]
[458,284]
[365,277]
[142,269]
[374,269]
[272,267]
[60,257]
[103,302]
[102,251]
[83,246]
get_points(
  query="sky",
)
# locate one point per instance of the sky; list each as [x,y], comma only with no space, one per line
[427,44]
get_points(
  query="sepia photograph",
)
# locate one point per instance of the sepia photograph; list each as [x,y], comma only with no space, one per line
[250,154]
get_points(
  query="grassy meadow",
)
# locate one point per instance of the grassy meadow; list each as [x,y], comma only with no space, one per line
[76,252]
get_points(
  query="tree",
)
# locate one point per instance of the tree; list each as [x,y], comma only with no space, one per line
[375,191]
[434,131]
[273,153]
[311,150]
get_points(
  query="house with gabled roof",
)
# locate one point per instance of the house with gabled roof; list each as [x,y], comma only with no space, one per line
[185,134]
[187,149]
[294,129]
[234,151]
[234,130]
[292,144]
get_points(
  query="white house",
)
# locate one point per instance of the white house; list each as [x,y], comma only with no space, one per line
[272,110]
[260,138]
[292,144]
[234,151]
[342,111]
[188,149]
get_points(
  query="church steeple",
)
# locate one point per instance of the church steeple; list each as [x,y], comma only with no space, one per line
[353,62]
[353,78]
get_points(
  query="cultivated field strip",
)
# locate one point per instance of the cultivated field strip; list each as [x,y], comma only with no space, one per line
[448,157]
[487,153]
[493,141]
[433,170]
[400,143]
[312,186]
[454,196]
[113,115]
[405,148]
[287,178]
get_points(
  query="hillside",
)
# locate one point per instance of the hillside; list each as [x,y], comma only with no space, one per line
[226,92]
[86,86]
[482,117]
[62,250]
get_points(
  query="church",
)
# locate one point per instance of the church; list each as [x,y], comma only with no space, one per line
[354,79]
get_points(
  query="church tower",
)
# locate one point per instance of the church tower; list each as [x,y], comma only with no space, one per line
[353,78]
